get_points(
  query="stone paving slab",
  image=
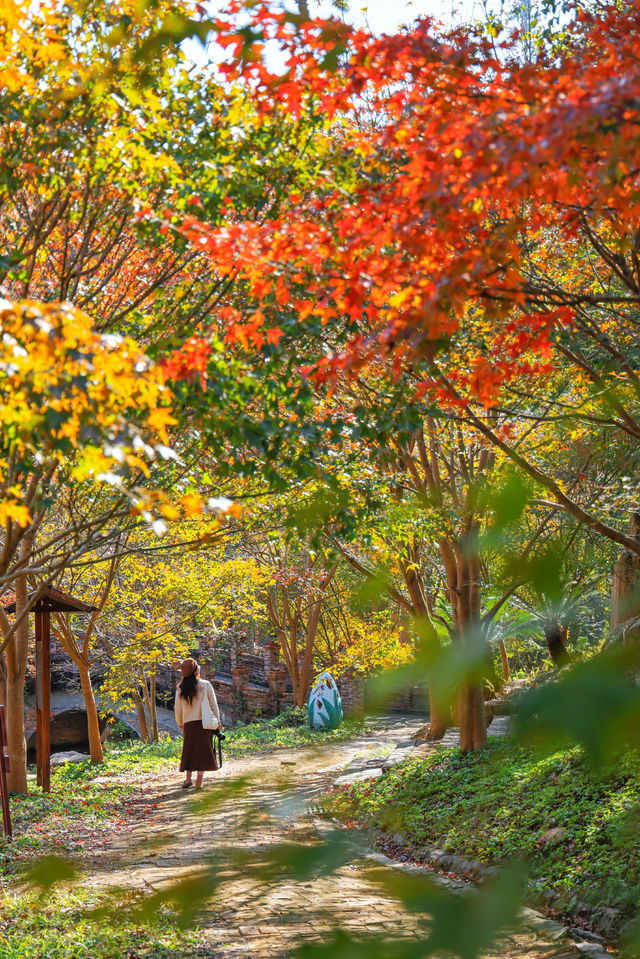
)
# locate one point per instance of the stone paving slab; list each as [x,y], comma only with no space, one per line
[399,754]
[359,775]
[500,726]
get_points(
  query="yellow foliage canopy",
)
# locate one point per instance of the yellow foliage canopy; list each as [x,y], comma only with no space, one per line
[68,394]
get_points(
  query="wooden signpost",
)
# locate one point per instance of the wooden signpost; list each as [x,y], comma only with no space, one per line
[43,698]
[49,601]
[4,769]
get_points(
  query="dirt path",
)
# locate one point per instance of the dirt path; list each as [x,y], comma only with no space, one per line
[244,917]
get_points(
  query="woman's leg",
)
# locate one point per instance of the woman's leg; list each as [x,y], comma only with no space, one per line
[199,775]
[185,758]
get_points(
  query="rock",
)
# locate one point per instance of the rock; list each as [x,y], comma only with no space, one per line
[498,707]
[592,950]
[68,729]
[548,928]
[608,921]
[398,755]
[59,759]
[360,776]
[422,751]
[554,835]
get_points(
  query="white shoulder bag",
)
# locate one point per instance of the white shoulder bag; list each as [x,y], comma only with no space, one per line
[209,720]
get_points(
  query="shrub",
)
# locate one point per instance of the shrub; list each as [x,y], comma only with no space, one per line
[292,716]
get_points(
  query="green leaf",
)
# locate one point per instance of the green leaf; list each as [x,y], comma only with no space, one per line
[595,704]
[50,870]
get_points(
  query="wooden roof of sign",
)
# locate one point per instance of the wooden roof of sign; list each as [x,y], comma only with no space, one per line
[53,601]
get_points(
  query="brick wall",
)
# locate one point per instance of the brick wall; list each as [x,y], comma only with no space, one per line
[412,700]
[249,686]
[351,686]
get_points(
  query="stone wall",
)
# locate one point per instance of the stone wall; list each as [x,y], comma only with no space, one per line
[255,687]
[412,700]
[248,692]
[351,686]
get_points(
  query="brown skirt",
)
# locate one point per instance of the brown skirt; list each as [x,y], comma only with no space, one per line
[197,748]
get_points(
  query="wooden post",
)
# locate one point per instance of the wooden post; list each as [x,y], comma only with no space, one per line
[43,698]
[4,769]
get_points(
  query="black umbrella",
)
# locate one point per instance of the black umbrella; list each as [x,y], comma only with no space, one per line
[219,736]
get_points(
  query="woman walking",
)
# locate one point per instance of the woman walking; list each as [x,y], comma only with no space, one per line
[195,698]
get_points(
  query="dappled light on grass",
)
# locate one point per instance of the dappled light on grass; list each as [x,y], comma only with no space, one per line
[255,856]
[90,803]
[65,925]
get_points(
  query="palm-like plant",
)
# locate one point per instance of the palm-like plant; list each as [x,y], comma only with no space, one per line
[567,611]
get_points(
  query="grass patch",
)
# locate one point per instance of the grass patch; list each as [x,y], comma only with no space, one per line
[241,741]
[575,828]
[255,738]
[83,806]
[61,927]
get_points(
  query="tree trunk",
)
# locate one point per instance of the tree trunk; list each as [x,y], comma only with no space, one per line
[466,618]
[473,723]
[305,667]
[298,684]
[504,659]
[625,585]
[148,709]
[142,717]
[17,655]
[439,719]
[556,636]
[93,725]
[439,713]
[154,709]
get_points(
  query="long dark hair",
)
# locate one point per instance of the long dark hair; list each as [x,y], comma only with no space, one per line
[189,685]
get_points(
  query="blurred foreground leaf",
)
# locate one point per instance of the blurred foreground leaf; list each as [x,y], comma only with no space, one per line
[445,669]
[302,863]
[186,896]
[461,922]
[594,703]
[343,946]
[49,870]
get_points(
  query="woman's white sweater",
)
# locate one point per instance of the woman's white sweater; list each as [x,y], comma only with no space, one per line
[188,712]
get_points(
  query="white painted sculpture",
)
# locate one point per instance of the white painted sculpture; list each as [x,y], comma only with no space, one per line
[325,703]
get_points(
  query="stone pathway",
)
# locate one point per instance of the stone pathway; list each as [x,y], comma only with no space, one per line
[226,842]
[401,733]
